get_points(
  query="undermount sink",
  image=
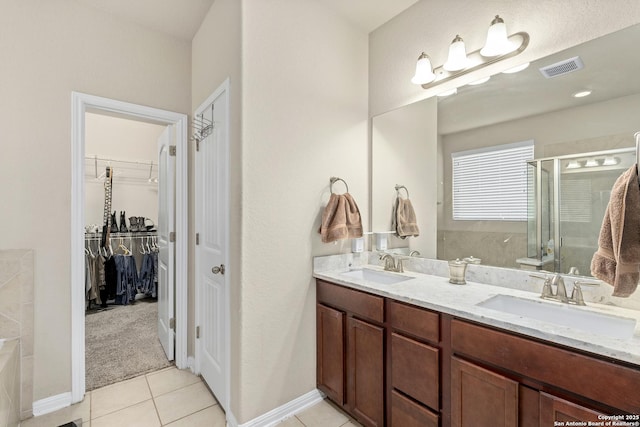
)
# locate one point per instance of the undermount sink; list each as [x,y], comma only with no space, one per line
[382,277]
[563,314]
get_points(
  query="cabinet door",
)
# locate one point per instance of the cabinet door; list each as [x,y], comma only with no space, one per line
[415,370]
[553,408]
[330,348]
[365,372]
[481,398]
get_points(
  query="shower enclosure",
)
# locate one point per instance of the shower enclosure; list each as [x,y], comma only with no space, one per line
[567,200]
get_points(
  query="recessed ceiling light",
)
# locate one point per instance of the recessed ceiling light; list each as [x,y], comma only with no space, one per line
[516,68]
[449,92]
[480,81]
[582,94]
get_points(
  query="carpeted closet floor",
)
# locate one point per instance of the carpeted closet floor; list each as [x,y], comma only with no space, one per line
[121,342]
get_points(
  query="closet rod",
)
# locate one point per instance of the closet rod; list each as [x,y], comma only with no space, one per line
[129,162]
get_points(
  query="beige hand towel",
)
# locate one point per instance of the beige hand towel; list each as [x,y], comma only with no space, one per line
[404,219]
[617,261]
[340,219]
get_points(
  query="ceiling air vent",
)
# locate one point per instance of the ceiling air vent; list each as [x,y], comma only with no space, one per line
[563,67]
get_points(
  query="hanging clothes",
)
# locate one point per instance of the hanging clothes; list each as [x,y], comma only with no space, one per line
[148,278]
[126,279]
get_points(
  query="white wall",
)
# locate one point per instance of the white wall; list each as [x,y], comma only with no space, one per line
[49,49]
[304,107]
[430,25]
[116,138]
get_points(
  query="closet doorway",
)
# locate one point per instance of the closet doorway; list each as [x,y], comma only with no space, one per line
[121,278]
[129,159]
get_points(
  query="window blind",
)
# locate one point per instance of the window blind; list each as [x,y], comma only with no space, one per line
[491,183]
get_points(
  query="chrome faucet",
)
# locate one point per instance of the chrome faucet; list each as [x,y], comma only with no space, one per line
[561,290]
[560,294]
[414,253]
[391,263]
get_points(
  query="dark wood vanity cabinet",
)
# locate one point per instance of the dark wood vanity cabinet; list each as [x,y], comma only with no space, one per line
[350,351]
[365,372]
[481,398]
[414,365]
[553,408]
[529,383]
[330,352]
[389,363]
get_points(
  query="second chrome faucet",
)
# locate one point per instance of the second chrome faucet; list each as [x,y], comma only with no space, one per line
[391,263]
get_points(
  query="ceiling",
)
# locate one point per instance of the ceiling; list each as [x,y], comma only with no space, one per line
[177,18]
[368,14]
[181,19]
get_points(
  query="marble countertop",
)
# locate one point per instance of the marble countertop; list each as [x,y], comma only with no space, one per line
[436,293]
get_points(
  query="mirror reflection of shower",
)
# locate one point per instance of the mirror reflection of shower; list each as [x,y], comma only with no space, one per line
[567,199]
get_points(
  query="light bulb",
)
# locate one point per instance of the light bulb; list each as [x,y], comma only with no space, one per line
[457,59]
[497,41]
[424,71]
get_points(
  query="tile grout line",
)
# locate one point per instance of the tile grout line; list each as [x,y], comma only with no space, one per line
[179,388]
[188,415]
[153,400]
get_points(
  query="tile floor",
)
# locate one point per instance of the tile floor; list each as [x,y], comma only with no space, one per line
[169,397]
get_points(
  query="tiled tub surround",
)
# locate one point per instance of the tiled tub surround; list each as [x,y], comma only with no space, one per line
[430,288]
[16,315]
[9,383]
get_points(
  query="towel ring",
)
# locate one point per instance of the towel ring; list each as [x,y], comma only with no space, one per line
[399,187]
[333,179]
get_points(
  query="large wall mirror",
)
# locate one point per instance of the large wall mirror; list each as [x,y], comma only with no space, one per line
[580,147]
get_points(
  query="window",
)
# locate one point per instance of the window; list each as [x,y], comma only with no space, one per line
[491,183]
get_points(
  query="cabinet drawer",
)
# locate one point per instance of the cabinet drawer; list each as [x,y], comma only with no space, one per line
[356,302]
[406,413]
[415,370]
[583,375]
[415,321]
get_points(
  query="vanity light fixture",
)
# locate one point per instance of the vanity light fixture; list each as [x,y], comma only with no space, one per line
[610,161]
[498,46]
[573,164]
[497,41]
[591,163]
[457,59]
[424,71]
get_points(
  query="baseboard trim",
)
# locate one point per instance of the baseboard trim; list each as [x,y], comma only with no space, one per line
[280,413]
[191,364]
[51,404]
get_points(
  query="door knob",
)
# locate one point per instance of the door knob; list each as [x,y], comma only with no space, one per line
[218,269]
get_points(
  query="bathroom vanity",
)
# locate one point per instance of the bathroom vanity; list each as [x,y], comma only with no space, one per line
[423,352]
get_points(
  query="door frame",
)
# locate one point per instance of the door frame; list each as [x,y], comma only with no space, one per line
[80,104]
[222,90]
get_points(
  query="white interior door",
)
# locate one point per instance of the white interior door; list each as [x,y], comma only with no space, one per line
[212,268]
[166,224]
